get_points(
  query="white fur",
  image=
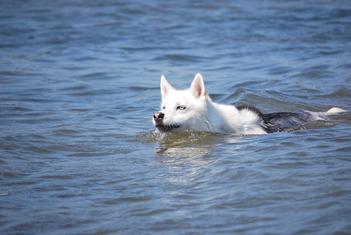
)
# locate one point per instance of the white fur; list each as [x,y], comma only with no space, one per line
[324,115]
[201,113]
[335,110]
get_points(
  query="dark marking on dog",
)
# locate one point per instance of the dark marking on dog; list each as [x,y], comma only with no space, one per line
[279,121]
[284,121]
[164,128]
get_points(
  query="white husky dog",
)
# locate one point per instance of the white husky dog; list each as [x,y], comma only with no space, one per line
[193,109]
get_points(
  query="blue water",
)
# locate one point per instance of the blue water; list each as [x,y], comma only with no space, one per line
[79,83]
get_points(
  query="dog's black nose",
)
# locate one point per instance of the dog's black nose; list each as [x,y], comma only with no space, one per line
[158,117]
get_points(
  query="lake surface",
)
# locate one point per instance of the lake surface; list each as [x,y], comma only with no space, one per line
[79,83]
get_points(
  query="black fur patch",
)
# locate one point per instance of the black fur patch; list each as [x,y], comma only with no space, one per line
[167,127]
[280,121]
[283,121]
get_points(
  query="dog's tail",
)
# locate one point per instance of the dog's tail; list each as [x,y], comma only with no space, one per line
[335,111]
[325,115]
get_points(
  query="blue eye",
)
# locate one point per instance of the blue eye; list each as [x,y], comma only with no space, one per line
[179,107]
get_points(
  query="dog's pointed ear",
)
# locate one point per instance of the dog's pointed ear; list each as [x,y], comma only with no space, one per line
[197,86]
[165,87]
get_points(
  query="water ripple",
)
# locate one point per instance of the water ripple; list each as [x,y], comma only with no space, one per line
[79,82]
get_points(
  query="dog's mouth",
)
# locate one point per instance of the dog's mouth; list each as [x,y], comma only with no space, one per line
[170,127]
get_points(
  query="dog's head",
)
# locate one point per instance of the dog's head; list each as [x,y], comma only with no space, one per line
[182,109]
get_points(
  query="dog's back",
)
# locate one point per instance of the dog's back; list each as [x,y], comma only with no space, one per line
[285,121]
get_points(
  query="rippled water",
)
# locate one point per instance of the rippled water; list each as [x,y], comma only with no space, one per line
[79,81]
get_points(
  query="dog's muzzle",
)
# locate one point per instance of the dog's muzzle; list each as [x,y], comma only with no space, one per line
[158,118]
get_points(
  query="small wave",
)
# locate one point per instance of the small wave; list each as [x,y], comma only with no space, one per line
[179,58]
[280,70]
[142,88]
[95,76]
[66,132]
[338,93]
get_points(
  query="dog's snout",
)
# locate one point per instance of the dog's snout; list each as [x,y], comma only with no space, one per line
[158,117]
[161,115]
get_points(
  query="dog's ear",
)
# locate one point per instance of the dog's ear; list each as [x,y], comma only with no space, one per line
[197,86]
[165,87]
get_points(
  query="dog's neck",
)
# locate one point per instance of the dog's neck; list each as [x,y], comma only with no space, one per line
[227,118]
[220,116]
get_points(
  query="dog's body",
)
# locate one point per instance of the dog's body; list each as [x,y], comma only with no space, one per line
[193,109]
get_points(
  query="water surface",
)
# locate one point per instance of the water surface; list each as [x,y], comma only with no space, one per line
[79,82]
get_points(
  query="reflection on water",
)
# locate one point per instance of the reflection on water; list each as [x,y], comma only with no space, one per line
[186,144]
[181,144]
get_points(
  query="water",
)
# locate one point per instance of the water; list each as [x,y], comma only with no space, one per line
[79,82]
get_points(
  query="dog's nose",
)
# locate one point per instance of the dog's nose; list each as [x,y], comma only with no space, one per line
[158,117]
